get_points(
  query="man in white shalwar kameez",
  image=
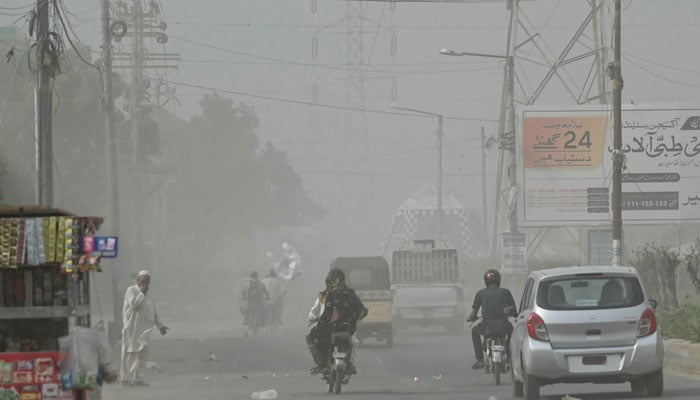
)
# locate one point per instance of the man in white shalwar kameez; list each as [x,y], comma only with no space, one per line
[139,316]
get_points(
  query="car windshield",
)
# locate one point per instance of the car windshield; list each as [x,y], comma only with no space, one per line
[589,293]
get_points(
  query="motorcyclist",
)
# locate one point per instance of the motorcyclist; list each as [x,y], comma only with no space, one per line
[255,298]
[336,305]
[275,287]
[496,304]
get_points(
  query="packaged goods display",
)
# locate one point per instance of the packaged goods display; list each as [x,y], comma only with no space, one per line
[44,285]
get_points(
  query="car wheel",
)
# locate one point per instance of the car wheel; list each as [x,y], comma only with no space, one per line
[517,385]
[531,386]
[638,386]
[655,384]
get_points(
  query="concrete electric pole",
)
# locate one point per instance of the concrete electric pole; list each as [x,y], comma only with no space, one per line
[618,155]
[113,173]
[484,205]
[43,106]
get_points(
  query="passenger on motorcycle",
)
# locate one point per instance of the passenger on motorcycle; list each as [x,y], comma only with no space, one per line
[496,305]
[338,304]
[255,298]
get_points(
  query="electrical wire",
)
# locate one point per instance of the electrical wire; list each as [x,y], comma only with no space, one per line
[659,75]
[331,106]
[30,5]
[9,92]
[660,64]
[374,42]
[68,36]
[334,67]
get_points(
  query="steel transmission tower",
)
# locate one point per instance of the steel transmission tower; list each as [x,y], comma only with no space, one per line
[355,150]
[531,59]
[355,208]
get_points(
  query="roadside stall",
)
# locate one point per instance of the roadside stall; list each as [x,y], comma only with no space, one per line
[45,296]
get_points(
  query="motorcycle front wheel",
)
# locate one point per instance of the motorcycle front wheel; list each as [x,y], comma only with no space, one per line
[335,381]
[497,373]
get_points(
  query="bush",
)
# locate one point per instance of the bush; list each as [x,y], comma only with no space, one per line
[680,323]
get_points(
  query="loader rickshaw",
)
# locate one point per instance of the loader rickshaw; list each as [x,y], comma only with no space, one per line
[369,276]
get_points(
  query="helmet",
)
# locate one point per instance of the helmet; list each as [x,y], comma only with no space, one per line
[334,277]
[492,277]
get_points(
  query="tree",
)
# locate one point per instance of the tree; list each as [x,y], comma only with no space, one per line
[79,134]
[228,187]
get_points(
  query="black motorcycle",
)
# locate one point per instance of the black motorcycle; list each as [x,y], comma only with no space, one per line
[339,358]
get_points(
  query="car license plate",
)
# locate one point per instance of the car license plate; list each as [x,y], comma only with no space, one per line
[594,360]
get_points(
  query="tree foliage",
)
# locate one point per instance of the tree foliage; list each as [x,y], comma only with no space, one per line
[657,267]
[229,187]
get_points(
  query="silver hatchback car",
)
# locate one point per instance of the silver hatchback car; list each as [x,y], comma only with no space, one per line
[586,324]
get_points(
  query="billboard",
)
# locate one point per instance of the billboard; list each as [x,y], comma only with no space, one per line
[565,165]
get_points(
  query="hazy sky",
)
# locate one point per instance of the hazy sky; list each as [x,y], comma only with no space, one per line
[265,49]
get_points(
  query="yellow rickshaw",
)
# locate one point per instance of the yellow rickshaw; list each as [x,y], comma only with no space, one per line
[369,276]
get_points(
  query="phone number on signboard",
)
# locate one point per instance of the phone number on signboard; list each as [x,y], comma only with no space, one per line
[649,205]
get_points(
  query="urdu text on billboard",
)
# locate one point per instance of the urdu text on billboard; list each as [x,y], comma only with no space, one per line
[565,165]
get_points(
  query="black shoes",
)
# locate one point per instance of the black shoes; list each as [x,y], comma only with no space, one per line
[479,364]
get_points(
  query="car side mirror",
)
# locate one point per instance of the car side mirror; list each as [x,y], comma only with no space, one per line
[653,304]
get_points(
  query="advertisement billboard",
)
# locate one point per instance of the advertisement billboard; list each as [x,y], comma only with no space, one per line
[565,165]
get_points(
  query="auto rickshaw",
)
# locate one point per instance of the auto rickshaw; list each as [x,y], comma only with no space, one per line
[369,276]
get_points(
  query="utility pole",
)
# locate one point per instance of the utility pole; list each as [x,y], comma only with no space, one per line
[43,107]
[618,156]
[439,168]
[113,173]
[145,29]
[439,199]
[484,206]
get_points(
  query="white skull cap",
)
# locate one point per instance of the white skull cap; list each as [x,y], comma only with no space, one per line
[144,272]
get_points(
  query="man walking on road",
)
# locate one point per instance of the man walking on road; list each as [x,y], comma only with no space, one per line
[139,316]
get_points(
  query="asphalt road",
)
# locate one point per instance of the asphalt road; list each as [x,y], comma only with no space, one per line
[424,364]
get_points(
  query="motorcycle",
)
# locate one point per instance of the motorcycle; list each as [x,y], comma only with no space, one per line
[339,359]
[254,320]
[496,360]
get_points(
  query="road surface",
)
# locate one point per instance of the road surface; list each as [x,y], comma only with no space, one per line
[423,364]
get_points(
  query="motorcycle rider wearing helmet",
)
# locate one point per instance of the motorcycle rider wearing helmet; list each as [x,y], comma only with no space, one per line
[335,305]
[496,304]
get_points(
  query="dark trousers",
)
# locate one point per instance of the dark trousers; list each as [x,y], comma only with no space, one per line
[317,340]
[479,330]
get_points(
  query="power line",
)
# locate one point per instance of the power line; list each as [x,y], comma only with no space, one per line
[661,65]
[659,75]
[343,67]
[387,174]
[418,27]
[25,7]
[334,67]
[331,106]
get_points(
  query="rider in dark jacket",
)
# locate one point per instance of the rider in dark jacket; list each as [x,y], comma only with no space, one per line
[496,305]
[341,306]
